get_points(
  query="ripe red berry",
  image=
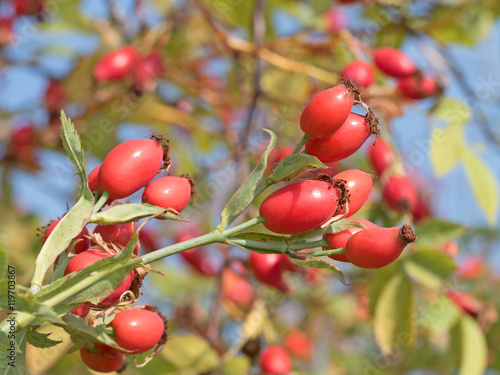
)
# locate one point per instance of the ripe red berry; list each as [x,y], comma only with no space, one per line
[400,194]
[360,72]
[103,358]
[339,240]
[54,96]
[137,330]
[359,184]
[170,192]
[147,70]
[299,344]
[422,210]
[88,258]
[327,111]
[148,240]
[22,146]
[393,62]
[335,20]
[416,87]
[275,360]
[82,240]
[116,233]
[472,267]
[378,247]
[236,288]
[92,178]
[381,156]
[343,143]
[116,64]
[129,167]
[299,207]
[6,30]
[466,301]
[28,7]
[81,310]
[268,268]
[198,258]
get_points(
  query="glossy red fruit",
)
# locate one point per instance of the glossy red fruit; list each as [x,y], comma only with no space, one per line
[360,72]
[268,269]
[466,301]
[472,267]
[275,360]
[381,156]
[422,210]
[299,344]
[450,248]
[137,330]
[299,207]
[415,87]
[82,310]
[393,62]
[92,178]
[236,288]
[339,240]
[147,71]
[170,192]
[103,358]
[116,233]
[327,111]
[28,7]
[88,258]
[335,20]
[54,96]
[6,30]
[400,194]
[378,247]
[359,184]
[22,146]
[116,65]
[129,167]
[82,241]
[343,143]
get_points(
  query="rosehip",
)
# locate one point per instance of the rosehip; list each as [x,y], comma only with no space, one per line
[28,7]
[6,30]
[147,70]
[54,96]
[327,111]
[400,194]
[148,241]
[116,64]
[275,360]
[81,310]
[92,178]
[360,72]
[335,20]
[82,241]
[137,330]
[344,142]
[170,192]
[471,267]
[415,87]
[299,345]
[88,258]
[466,301]
[299,207]
[268,269]
[103,358]
[381,156]
[116,233]
[236,288]
[393,62]
[378,247]
[421,210]
[359,184]
[129,167]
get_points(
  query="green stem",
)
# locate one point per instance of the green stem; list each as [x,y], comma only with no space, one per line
[101,202]
[325,253]
[301,144]
[308,245]
[276,247]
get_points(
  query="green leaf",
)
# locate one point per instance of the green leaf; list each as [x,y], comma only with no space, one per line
[453,112]
[190,352]
[127,213]
[439,316]
[238,365]
[72,223]
[41,340]
[393,321]
[18,360]
[304,260]
[435,232]
[78,330]
[484,185]
[429,267]
[292,165]
[3,262]
[446,149]
[249,190]
[4,341]
[474,350]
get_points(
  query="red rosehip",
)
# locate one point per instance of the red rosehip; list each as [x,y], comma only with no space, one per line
[137,330]
[275,360]
[268,268]
[393,62]
[339,240]
[400,194]
[299,345]
[236,288]
[415,87]
[360,72]
[54,96]
[22,146]
[343,143]
[299,207]
[381,156]
[81,310]
[148,240]
[6,30]
[116,233]
[421,211]
[147,70]
[88,258]
[327,111]
[28,7]
[466,301]
[471,267]
[378,247]
[197,257]
[129,167]
[82,240]
[170,192]
[116,64]
[92,178]
[335,20]
[359,184]
[103,358]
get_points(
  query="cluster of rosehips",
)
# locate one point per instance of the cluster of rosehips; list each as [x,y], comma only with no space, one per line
[127,168]
[394,63]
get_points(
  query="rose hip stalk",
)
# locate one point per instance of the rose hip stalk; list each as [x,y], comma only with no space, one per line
[378,247]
